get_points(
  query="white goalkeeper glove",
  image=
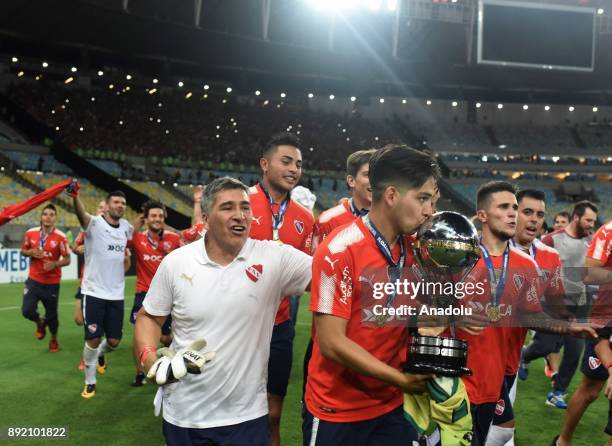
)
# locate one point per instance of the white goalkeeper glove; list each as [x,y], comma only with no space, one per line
[172,366]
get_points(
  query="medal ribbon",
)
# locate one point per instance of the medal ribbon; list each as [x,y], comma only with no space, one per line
[395,268]
[152,242]
[42,240]
[497,286]
[277,218]
[356,212]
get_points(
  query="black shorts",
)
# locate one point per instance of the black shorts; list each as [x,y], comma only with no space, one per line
[78,294]
[38,291]
[482,416]
[591,364]
[102,317]
[504,411]
[390,429]
[249,433]
[281,357]
[138,299]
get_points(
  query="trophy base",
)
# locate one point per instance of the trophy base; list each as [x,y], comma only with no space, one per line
[425,369]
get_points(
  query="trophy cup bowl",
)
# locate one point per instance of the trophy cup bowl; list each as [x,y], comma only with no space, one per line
[446,248]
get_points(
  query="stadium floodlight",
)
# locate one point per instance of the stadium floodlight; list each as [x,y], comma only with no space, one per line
[600,11]
[70,79]
[376,138]
[120,122]
[257,92]
[153,91]
[188,95]
[180,84]
[81,129]
[205,96]
[404,101]
[73,69]
[348,139]
[571,108]
[100,73]
[283,95]
[57,129]
[485,158]
[155,81]
[555,159]
[224,101]
[206,86]
[478,105]
[167,133]
[159,104]
[547,107]
[381,100]
[21,73]
[14,60]
[311,149]
[454,103]
[310,95]
[595,109]
[500,106]
[353,98]
[38,77]
[93,99]
[266,102]
[128,77]
[428,102]
[502,146]
[228,89]
[525,107]
[332,97]
[45,64]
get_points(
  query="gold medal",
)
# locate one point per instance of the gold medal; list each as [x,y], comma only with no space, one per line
[275,236]
[493,313]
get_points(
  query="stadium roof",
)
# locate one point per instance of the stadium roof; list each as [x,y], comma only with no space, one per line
[156,36]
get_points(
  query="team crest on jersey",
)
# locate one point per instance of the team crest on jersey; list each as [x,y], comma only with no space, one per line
[254,272]
[92,328]
[299,226]
[518,281]
[594,362]
[53,244]
[500,407]
[167,245]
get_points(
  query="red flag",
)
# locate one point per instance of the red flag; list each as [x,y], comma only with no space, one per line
[15,210]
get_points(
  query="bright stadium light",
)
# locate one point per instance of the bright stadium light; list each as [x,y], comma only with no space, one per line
[73,69]
[332,97]
[188,95]
[478,105]
[500,106]
[595,109]
[571,108]
[180,84]
[525,107]
[100,73]
[283,95]
[228,89]
[45,64]
[21,73]
[392,5]
[128,77]
[547,107]
[14,60]
[381,100]
[155,81]
[70,79]
[454,103]
[206,86]
[257,92]
[600,11]
[428,102]
[353,98]
[404,101]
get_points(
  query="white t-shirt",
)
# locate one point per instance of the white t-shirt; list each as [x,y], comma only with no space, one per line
[233,308]
[103,275]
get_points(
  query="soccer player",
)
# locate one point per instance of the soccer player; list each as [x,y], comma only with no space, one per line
[225,288]
[354,392]
[561,220]
[278,218]
[149,248]
[197,229]
[357,171]
[103,286]
[531,214]
[48,250]
[571,243]
[597,358]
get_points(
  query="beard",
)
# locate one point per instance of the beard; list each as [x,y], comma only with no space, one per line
[501,235]
[115,215]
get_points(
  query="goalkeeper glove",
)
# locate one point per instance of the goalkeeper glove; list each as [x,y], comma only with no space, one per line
[172,366]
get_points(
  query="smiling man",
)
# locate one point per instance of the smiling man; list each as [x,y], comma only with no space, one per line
[278,218]
[224,288]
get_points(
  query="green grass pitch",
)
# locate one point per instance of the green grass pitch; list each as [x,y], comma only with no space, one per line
[40,388]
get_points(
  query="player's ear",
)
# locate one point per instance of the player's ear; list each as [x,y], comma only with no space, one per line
[481,214]
[350,180]
[263,164]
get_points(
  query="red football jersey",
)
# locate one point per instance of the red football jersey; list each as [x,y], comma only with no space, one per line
[193,233]
[296,231]
[487,352]
[342,273]
[148,257]
[55,246]
[551,288]
[332,218]
[601,249]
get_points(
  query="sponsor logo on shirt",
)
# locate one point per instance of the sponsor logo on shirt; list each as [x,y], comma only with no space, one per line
[149,258]
[117,248]
[257,220]
[299,226]
[53,244]
[346,285]
[331,262]
[254,272]
[594,362]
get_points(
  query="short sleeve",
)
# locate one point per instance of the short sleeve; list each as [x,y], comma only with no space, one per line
[25,244]
[63,247]
[599,248]
[296,271]
[332,283]
[548,240]
[158,301]
[94,223]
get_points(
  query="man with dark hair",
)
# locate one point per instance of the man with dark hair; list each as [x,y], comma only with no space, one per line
[597,358]
[149,248]
[48,249]
[571,242]
[279,218]
[561,220]
[354,391]
[103,285]
[225,288]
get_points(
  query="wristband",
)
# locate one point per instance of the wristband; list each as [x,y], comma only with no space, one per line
[145,352]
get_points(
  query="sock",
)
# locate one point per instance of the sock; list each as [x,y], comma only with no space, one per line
[499,436]
[104,347]
[90,358]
